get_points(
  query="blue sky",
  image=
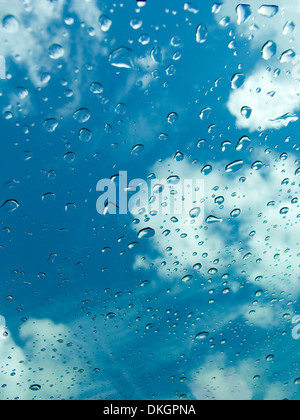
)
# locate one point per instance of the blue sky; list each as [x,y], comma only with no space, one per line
[65,267]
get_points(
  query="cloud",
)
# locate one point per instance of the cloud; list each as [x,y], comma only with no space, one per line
[216,381]
[258,247]
[46,367]
[271,89]
[272,101]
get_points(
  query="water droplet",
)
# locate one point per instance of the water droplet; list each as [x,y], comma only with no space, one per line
[50,125]
[156,54]
[235,166]
[195,212]
[287,56]
[141,3]
[85,135]
[243,143]
[136,24]
[284,210]
[121,109]
[213,219]
[187,279]
[219,200]
[201,34]
[191,7]
[205,114]
[235,213]
[172,118]
[138,149]
[21,92]
[82,115]
[257,165]
[269,50]
[69,157]
[10,205]
[202,336]
[10,24]
[122,57]
[35,387]
[96,88]
[243,12]
[246,112]
[237,81]
[289,28]
[110,315]
[105,23]
[297,381]
[206,170]
[179,156]
[56,51]
[268,10]
[146,233]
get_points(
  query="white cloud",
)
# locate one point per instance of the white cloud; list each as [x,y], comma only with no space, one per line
[273,101]
[216,381]
[266,249]
[47,359]
[279,94]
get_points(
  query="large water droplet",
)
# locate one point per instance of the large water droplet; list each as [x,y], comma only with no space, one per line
[237,81]
[82,115]
[268,10]
[146,233]
[235,166]
[50,125]
[56,51]
[122,57]
[243,12]
[269,50]
[10,205]
[85,135]
[105,23]
[10,24]
[202,336]
[243,143]
[35,387]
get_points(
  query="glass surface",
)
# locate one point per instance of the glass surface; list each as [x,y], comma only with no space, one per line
[98,301]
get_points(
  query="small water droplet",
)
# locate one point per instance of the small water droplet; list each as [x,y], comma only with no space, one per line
[201,34]
[56,51]
[105,23]
[202,336]
[85,135]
